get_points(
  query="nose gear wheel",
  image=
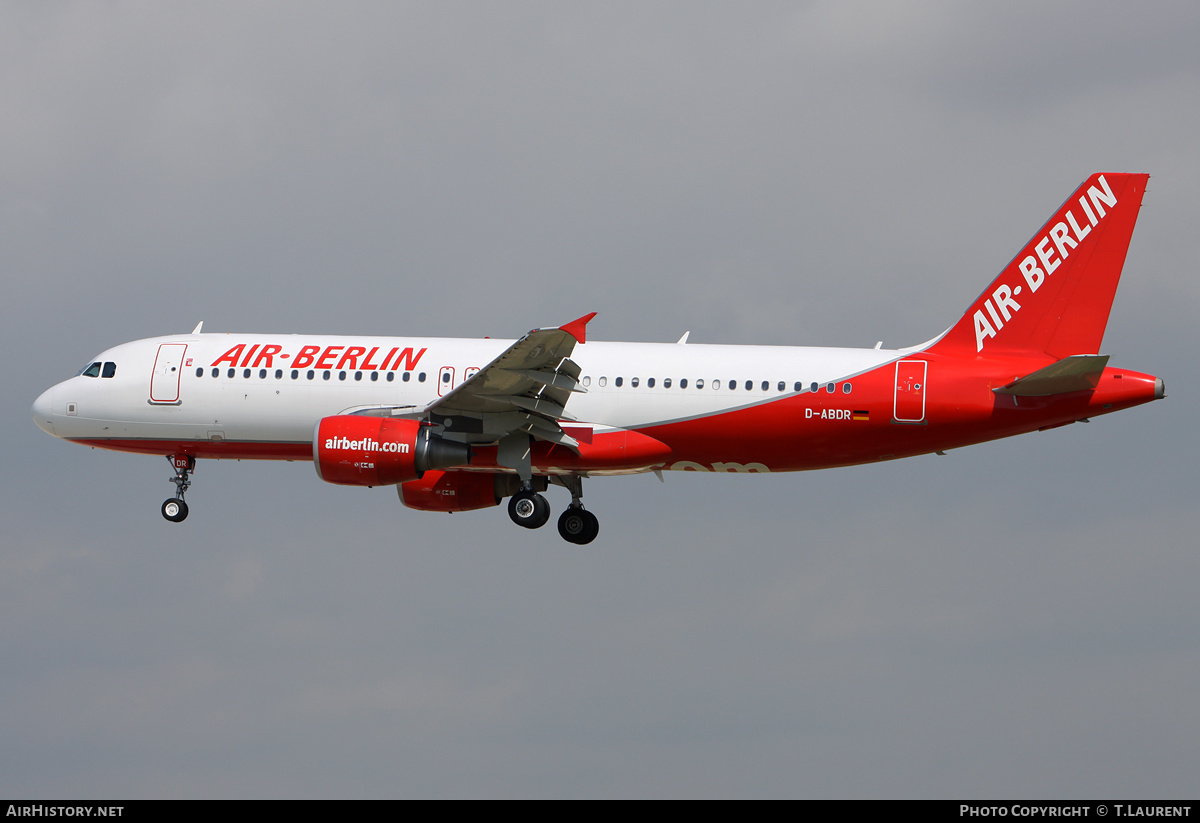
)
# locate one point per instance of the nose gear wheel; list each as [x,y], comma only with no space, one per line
[173,508]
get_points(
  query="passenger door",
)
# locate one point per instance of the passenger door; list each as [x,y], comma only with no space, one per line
[168,365]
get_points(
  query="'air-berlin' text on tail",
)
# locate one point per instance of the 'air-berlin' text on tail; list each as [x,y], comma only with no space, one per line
[1055,295]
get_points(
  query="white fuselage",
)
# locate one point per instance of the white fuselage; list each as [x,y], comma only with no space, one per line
[265,399]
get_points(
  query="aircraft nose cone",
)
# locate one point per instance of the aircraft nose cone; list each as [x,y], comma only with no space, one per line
[1160,388]
[43,411]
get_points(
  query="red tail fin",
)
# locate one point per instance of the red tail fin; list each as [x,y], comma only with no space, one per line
[1055,295]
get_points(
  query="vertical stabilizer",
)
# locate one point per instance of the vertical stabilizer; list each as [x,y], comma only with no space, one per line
[1055,295]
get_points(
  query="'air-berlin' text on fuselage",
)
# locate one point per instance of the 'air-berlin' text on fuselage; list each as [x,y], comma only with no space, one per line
[354,358]
[1065,236]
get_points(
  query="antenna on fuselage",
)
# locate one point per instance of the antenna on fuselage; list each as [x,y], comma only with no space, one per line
[683,339]
[198,326]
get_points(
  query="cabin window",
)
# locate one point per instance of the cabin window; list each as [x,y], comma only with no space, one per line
[617,382]
[649,382]
[829,387]
[798,387]
[311,374]
[814,388]
[587,381]
[633,381]
[699,384]
[445,377]
[766,386]
[262,374]
[846,389]
[341,375]
[279,374]
[374,376]
[716,384]
[232,372]
[325,375]
[782,386]
[732,384]
[392,376]
[666,382]
[603,382]
[407,376]
[749,385]
[200,372]
[421,377]
[683,383]
[245,372]
[295,373]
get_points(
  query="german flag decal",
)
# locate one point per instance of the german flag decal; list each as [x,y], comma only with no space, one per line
[861,415]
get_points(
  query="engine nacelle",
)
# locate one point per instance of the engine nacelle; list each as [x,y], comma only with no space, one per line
[454,491]
[356,450]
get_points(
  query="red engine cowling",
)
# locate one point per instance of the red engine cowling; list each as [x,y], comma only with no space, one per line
[356,450]
[440,491]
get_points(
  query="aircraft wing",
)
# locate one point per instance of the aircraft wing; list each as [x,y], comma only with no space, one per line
[525,389]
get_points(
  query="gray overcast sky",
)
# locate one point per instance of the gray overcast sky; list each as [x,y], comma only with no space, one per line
[1014,619]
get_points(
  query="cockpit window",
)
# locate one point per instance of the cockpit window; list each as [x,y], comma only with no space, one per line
[91,370]
[110,369]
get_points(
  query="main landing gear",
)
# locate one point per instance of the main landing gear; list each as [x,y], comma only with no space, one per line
[576,525]
[529,509]
[174,509]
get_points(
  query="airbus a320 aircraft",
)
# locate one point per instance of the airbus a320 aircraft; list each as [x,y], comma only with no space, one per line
[461,424]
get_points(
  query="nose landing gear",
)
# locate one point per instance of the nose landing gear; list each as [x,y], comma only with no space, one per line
[174,509]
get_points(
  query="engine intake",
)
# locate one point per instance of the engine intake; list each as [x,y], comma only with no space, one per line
[356,450]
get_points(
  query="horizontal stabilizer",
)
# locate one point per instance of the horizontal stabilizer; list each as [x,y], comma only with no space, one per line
[1078,373]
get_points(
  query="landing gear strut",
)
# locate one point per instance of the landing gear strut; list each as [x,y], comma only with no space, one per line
[174,509]
[576,525]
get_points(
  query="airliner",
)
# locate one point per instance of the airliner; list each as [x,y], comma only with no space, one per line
[461,424]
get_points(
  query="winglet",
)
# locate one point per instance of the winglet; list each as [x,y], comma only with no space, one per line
[578,328]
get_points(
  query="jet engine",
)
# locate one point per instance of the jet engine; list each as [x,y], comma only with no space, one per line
[357,450]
